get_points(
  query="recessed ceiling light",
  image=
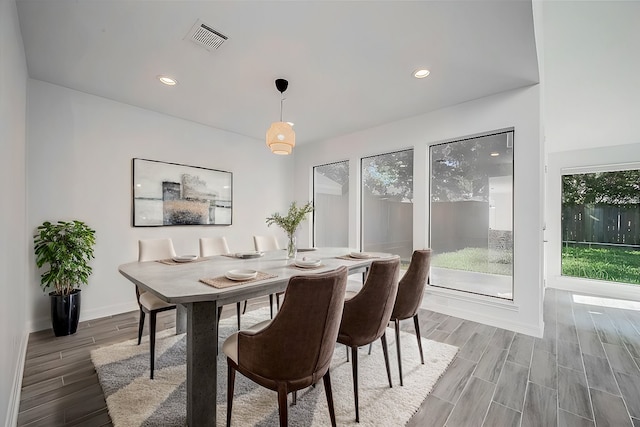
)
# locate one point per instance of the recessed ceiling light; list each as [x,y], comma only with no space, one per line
[495,154]
[421,74]
[169,81]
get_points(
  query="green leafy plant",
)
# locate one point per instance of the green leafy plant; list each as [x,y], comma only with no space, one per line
[472,259]
[290,222]
[66,247]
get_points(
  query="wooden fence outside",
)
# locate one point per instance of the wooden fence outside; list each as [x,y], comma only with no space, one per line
[601,224]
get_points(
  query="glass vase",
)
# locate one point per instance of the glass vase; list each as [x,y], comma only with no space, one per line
[292,249]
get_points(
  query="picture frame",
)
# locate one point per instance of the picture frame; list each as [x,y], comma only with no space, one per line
[171,194]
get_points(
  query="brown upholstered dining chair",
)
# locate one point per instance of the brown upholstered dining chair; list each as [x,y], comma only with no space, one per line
[409,298]
[366,315]
[152,250]
[295,349]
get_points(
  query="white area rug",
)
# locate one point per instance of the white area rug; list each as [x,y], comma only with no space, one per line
[135,400]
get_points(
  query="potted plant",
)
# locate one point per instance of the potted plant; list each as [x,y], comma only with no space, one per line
[66,248]
[290,222]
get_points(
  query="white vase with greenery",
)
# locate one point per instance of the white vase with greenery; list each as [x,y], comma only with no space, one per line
[290,222]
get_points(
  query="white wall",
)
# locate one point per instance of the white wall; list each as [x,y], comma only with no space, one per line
[518,109]
[590,79]
[591,105]
[79,166]
[13,250]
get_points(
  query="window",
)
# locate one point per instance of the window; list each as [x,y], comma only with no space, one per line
[471,215]
[387,203]
[331,204]
[601,225]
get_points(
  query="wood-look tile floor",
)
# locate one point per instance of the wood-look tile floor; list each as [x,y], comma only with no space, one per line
[583,372]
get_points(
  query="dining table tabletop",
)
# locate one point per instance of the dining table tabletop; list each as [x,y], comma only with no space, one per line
[198,286]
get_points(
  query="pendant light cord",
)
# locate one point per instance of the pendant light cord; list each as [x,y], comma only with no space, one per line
[281,101]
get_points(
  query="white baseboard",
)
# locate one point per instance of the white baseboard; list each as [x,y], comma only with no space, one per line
[489,311]
[487,320]
[595,287]
[45,322]
[13,406]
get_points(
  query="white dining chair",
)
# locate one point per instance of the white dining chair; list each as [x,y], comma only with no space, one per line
[265,244]
[152,250]
[212,246]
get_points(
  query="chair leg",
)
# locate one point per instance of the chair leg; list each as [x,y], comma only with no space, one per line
[397,324]
[141,326]
[282,404]
[354,369]
[231,379]
[152,341]
[219,316]
[238,313]
[383,338]
[370,346]
[416,323]
[347,348]
[327,391]
[271,304]
[244,310]
[278,301]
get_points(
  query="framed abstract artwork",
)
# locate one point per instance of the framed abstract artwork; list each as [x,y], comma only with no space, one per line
[173,194]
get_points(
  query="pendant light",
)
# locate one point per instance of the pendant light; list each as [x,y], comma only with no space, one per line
[280,137]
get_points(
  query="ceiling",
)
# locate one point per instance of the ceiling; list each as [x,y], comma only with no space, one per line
[349,63]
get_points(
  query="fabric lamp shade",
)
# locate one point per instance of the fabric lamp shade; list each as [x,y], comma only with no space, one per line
[281,138]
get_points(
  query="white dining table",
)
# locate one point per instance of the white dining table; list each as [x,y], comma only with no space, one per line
[198,305]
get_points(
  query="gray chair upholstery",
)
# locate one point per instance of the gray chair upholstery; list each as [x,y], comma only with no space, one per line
[295,349]
[366,315]
[409,298]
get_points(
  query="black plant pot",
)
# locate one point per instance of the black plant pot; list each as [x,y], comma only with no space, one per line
[65,313]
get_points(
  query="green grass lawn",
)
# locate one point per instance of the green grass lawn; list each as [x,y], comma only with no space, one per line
[471,259]
[610,264]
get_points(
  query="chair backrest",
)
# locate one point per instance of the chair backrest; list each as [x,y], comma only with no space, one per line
[411,286]
[210,246]
[300,340]
[265,243]
[155,249]
[367,314]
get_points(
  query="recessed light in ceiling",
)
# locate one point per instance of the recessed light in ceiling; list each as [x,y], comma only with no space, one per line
[495,154]
[421,74]
[169,81]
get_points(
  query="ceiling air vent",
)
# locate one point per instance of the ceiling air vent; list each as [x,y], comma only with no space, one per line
[205,36]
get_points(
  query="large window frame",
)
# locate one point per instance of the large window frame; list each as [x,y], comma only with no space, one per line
[316,203]
[468,264]
[400,195]
[599,229]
